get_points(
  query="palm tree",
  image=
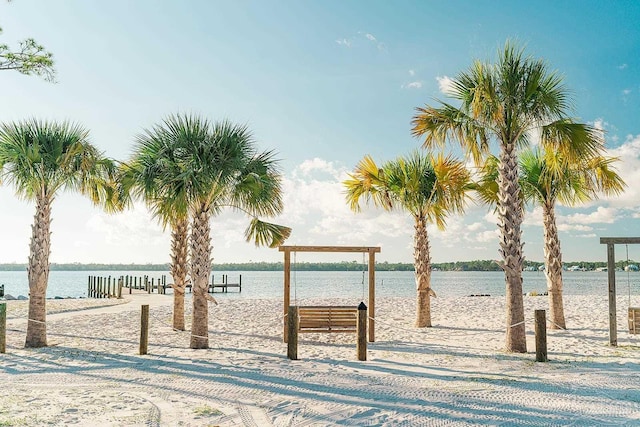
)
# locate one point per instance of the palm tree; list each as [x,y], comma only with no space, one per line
[40,159]
[547,178]
[154,174]
[426,186]
[216,166]
[505,102]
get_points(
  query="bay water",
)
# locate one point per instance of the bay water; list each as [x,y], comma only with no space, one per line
[348,284]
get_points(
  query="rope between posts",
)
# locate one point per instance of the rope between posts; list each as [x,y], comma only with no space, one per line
[554,323]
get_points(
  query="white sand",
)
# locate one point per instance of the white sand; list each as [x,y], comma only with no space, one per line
[453,374]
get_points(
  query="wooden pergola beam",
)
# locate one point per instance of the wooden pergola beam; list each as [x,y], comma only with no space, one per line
[620,240]
[360,249]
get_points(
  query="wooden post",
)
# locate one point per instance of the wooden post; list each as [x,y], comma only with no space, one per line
[361,326]
[109,292]
[541,335]
[3,327]
[89,287]
[144,329]
[372,296]
[240,284]
[120,283]
[292,343]
[611,276]
[287,291]
[99,287]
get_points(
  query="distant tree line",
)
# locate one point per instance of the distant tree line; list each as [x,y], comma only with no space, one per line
[477,265]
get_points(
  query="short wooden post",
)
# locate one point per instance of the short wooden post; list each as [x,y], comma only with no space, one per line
[361,326]
[240,283]
[292,342]
[120,283]
[3,328]
[144,329]
[541,335]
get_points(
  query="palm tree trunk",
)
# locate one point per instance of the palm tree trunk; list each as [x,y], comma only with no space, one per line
[553,270]
[200,268]
[510,220]
[38,272]
[179,249]
[422,261]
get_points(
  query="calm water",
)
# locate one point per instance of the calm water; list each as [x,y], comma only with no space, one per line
[269,284]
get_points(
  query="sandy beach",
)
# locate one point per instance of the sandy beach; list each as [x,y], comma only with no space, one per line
[453,374]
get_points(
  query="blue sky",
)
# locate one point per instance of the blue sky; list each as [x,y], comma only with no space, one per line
[323,84]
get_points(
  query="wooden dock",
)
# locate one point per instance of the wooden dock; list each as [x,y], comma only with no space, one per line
[111,287]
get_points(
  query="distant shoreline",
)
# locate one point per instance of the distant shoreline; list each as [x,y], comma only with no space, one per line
[477,265]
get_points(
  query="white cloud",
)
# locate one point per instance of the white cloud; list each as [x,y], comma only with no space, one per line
[602,215]
[600,124]
[344,42]
[628,168]
[412,85]
[412,73]
[373,39]
[307,167]
[445,84]
[574,227]
[622,66]
[626,91]
[491,217]
[488,236]
[475,226]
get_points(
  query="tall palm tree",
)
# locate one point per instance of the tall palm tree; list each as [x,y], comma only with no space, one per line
[547,178]
[504,102]
[155,174]
[40,159]
[216,166]
[429,188]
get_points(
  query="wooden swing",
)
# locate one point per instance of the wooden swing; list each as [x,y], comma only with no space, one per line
[634,312]
[329,318]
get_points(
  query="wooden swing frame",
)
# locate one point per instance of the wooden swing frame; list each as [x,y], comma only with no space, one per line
[611,278]
[371,250]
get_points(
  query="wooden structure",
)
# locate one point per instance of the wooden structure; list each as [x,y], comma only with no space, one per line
[634,320]
[144,283]
[3,327]
[371,250]
[322,318]
[225,285]
[104,287]
[541,335]
[611,279]
[327,319]
[144,329]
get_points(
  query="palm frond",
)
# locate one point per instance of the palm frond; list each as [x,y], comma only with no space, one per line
[266,234]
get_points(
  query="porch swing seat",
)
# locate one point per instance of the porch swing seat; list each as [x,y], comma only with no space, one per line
[334,318]
[634,320]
